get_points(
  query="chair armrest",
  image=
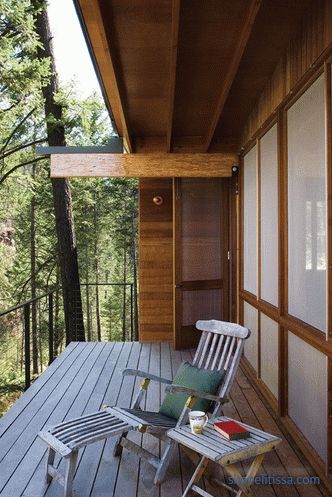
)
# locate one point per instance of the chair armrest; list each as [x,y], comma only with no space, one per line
[143,374]
[192,393]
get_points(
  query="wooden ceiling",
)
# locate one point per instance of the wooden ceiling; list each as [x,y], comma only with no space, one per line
[183,75]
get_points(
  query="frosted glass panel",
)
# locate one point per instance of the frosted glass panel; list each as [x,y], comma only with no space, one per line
[269,353]
[307,207]
[307,392]
[250,321]
[250,269]
[269,216]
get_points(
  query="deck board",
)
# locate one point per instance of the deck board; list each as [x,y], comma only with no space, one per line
[86,376]
[17,460]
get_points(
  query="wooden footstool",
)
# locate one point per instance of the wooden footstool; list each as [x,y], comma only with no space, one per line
[212,446]
[68,437]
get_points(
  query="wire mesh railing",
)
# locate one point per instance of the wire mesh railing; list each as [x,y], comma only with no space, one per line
[108,312]
[28,340]
[32,333]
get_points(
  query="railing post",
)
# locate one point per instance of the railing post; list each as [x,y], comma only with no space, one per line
[131,313]
[27,345]
[50,329]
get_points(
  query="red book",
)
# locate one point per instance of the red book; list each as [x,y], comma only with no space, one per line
[231,430]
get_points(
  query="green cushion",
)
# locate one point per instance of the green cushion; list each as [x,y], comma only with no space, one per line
[201,380]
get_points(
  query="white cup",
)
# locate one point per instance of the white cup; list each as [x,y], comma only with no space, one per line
[198,420]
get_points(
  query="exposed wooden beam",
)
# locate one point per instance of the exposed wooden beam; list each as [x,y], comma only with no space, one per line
[176,4]
[143,165]
[93,20]
[226,84]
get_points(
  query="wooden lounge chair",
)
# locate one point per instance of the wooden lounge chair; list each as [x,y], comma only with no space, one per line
[219,349]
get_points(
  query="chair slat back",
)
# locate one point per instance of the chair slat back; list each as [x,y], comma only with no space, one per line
[223,353]
[205,349]
[220,348]
[211,351]
[222,338]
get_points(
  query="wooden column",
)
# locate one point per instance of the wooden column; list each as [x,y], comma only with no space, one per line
[259,254]
[156,260]
[283,262]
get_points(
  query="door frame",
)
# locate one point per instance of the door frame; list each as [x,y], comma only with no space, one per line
[228,247]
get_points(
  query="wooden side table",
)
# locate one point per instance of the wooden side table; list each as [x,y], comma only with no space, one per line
[212,446]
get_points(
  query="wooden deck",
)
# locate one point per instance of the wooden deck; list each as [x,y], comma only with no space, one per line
[86,376]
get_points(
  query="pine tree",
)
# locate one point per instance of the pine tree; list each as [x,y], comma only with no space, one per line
[66,243]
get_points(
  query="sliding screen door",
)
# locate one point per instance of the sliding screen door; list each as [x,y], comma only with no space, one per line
[307,250]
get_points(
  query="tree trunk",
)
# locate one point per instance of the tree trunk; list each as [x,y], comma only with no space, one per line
[34,336]
[109,300]
[96,256]
[87,294]
[106,286]
[124,294]
[134,260]
[88,313]
[40,343]
[67,249]
[57,337]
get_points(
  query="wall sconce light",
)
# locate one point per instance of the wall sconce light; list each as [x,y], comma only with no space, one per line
[158,200]
[235,171]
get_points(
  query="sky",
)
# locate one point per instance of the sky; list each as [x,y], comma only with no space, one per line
[71,53]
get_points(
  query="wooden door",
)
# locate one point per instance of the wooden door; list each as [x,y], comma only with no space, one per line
[201,217]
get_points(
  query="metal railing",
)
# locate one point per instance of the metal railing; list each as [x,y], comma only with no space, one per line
[21,342]
[129,307]
[26,334]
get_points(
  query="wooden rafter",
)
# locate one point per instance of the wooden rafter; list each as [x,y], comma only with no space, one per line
[93,20]
[143,165]
[176,4]
[232,70]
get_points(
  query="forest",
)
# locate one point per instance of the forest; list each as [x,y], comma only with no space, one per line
[68,248]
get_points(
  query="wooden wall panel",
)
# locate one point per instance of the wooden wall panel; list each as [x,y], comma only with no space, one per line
[303,51]
[156,260]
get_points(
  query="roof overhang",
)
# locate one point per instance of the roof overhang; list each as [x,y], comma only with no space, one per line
[183,76]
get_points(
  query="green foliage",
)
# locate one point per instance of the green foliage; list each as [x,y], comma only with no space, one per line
[87,121]
[21,72]
[105,210]
[106,218]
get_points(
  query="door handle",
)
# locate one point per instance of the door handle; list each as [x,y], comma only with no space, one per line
[178,285]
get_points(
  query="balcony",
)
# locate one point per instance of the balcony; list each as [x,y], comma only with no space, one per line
[87,375]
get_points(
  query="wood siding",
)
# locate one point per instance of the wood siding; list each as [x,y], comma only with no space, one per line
[304,50]
[156,260]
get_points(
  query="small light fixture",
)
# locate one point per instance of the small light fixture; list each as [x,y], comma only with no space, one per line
[235,171]
[158,200]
